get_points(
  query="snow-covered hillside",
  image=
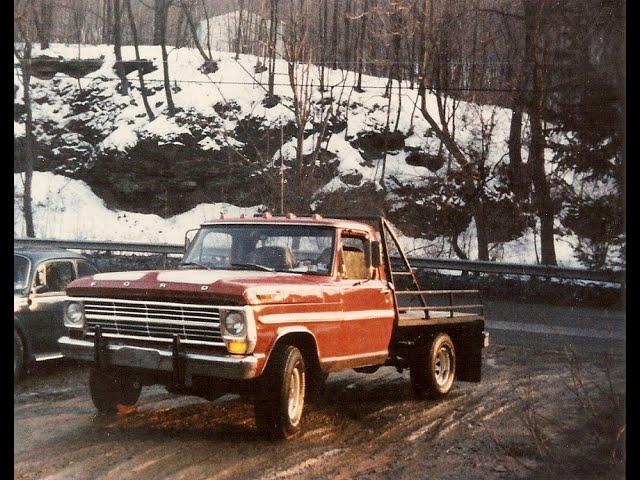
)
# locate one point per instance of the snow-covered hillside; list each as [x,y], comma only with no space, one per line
[89,131]
[67,209]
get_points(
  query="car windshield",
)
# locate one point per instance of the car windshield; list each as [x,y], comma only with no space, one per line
[281,248]
[20,272]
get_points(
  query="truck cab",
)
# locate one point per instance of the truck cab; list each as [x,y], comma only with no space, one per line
[268,307]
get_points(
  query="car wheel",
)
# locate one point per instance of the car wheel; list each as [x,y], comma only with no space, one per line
[279,402]
[108,391]
[434,368]
[18,355]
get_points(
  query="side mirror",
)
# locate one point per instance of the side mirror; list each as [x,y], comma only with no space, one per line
[376,254]
[188,238]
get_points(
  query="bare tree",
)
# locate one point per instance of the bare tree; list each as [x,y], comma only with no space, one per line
[239,28]
[117,46]
[544,204]
[361,43]
[43,21]
[134,35]
[159,21]
[107,22]
[273,39]
[23,19]
[165,4]
[194,31]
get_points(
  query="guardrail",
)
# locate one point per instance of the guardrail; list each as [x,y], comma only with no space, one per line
[608,276]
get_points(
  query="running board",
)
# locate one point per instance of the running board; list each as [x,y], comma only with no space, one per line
[43,357]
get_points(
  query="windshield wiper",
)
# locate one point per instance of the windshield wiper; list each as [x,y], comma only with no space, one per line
[252,266]
[195,264]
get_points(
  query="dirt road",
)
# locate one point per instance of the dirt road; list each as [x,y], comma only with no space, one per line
[522,421]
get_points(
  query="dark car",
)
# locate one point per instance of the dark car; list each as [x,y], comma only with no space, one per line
[40,277]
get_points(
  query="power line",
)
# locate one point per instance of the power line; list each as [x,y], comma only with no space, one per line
[309,85]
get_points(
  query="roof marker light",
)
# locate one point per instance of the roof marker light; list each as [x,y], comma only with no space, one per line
[291,215]
[266,215]
[316,216]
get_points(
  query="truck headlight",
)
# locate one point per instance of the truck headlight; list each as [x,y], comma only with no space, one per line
[234,324]
[74,315]
[239,330]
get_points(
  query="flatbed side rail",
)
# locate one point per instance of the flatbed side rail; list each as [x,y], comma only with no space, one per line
[449,308]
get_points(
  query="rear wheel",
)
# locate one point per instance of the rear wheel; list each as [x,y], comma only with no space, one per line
[18,355]
[279,402]
[108,391]
[434,368]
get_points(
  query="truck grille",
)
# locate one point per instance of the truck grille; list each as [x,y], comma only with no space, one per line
[157,321]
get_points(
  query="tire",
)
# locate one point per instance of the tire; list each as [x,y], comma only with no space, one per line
[108,391]
[18,355]
[434,368]
[279,402]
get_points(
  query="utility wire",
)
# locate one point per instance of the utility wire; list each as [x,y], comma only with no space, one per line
[309,85]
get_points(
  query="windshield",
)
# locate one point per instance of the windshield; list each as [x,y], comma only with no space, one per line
[280,248]
[20,272]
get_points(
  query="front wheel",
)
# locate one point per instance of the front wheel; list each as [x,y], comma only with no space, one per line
[108,391]
[279,401]
[434,368]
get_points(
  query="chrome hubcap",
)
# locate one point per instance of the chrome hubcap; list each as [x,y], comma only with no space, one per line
[296,394]
[443,366]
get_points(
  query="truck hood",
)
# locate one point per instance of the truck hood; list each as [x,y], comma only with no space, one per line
[234,286]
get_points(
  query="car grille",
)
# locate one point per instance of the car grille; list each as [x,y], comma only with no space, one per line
[157,321]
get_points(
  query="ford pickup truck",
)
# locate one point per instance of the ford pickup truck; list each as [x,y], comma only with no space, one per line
[266,307]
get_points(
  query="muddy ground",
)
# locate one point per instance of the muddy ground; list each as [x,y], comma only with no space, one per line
[536,414]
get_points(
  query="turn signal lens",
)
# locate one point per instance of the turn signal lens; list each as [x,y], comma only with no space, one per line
[234,346]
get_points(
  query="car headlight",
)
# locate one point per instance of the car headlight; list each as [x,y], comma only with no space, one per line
[74,315]
[234,324]
[239,330]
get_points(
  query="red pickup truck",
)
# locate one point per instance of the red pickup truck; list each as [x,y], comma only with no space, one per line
[267,307]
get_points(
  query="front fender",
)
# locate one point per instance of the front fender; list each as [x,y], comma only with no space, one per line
[300,336]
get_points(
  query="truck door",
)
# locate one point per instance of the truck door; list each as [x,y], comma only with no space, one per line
[45,324]
[367,303]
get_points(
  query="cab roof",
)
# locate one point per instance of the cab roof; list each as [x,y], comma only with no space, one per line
[315,220]
[37,255]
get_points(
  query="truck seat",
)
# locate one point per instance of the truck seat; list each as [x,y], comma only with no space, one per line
[279,258]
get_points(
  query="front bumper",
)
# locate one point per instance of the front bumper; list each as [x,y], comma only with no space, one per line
[218,366]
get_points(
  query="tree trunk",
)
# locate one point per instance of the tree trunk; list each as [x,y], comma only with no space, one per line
[480,216]
[46,19]
[107,26]
[516,167]
[165,57]
[334,35]
[239,29]
[27,210]
[159,21]
[363,32]
[194,30]
[273,39]
[206,16]
[323,40]
[456,247]
[346,54]
[544,204]
[117,46]
[134,35]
